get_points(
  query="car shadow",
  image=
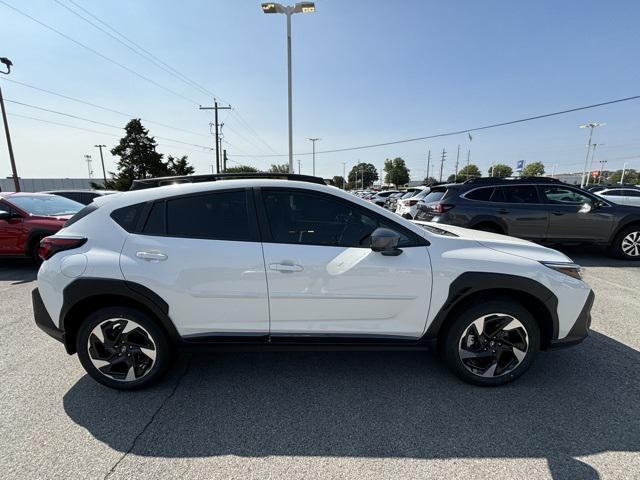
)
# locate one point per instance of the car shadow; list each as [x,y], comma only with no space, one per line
[572,403]
[17,270]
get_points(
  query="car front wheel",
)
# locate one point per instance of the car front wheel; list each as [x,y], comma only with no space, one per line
[627,243]
[123,348]
[492,343]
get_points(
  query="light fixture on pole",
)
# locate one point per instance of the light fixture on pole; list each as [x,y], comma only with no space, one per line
[301,7]
[590,126]
[87,158]
[313,141]
[16,181]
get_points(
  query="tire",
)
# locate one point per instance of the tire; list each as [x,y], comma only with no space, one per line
[125,331]
[487,227]
[626,245]
[33,251]
[462,340]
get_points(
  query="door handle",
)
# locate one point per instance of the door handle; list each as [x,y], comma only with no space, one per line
[151,256]
[558,213]
[503,211]
[284,268]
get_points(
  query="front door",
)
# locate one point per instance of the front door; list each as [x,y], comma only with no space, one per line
[519,207]
[11,235]
[324,280]
[202,255]
[573,217]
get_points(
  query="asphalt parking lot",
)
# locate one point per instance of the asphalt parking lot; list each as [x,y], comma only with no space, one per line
[574,415]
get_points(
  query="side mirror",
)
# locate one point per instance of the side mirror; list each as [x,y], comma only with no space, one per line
[4,215]
[586,208]
[385,241]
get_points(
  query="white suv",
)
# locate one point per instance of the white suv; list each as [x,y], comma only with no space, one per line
[282,263]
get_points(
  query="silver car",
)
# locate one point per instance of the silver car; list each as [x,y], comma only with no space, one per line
[621,195]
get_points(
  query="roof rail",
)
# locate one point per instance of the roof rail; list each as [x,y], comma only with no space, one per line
[214,177]
[506,180]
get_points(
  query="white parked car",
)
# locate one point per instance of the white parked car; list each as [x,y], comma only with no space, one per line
[408,207]
[621,195]
[284,263]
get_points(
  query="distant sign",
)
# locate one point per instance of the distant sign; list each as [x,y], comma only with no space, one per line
[520,166]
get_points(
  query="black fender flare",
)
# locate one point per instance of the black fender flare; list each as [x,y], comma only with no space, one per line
[624,223]
[85,288]
[470,283]
[477,220]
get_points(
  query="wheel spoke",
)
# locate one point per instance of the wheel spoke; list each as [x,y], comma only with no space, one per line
[131,375]
[467,354]
[151,353]
[491,370]
[519,354]
[479,325]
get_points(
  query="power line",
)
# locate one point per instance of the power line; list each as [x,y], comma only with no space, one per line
[84,119]
[96,52]
[459,132]
[106,109]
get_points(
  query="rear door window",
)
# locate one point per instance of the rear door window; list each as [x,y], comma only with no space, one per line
[632,193]
[519,194]
[434,196]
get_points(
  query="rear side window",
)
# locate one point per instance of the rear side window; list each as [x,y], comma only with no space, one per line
[81,214]
[632,193]
[213,216]
[156,221]
[434,196]
[127,217]
[519,194]
[612,193]
[481,194]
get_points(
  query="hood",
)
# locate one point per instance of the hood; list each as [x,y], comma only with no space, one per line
[60,218]
[504,243]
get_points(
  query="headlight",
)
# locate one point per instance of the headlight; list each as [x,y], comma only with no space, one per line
[570,269]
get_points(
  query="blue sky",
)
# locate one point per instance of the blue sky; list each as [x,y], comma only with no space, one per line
[364,72]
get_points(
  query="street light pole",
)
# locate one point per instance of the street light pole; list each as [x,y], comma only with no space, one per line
[590,126]
[16,182]
[624,168]
[301,7]
[313,141]
[344,171]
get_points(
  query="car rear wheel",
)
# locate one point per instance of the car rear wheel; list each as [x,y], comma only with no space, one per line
[492,343]
[123,348]
[627,243]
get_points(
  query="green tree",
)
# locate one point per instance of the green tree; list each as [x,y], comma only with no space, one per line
[339,182]
[282,168]
[366,170]
[429,181]
[534,169]
[138,157]
[631,176]
[179,166]
[242,169]
[500,170]
[396,171]
[468,172]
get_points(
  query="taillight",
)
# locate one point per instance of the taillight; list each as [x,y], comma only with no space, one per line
[442,207]
[49,246]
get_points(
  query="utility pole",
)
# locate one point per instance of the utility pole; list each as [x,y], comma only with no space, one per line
[16,182]
[87,158]
[593,154]
[298,166]
[468,162]
[455,178]
[362,175]
[442,159]
[313,141]
[215,108]
[344,172]
[104,172]
[590,126]
[428,164]
[224,160]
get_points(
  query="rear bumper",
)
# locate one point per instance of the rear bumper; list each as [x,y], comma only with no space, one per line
[42,318]
[580,329]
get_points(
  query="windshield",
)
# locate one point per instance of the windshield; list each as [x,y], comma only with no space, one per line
[47,205]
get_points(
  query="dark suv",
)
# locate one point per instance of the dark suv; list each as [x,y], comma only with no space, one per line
[539,209]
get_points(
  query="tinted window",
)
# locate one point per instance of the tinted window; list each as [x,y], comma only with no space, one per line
[156,221]
[313,219]
[632,193]
[215,216]
[128,217]
[563,195]
[422,193]
[519,194]
[81,214]
[612,193]
[434,196]
[482,194]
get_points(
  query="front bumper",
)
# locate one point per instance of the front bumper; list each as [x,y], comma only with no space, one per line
[580,329]
[43,319]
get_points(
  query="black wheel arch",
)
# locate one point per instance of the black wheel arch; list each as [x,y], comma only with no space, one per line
[34,237]
[626,222]
[499,223]
[86,295]
[471,287]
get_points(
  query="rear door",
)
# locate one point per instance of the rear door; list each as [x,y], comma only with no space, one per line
[11,232]
[324,279]
[520,209]
[201,253]
[570,220]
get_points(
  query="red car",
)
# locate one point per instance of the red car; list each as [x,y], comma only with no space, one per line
[26,218]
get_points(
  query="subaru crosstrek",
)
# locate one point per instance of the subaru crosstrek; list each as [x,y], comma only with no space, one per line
[283,263]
